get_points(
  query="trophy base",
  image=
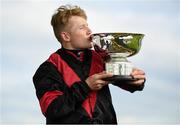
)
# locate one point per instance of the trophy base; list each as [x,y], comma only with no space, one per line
[120,78]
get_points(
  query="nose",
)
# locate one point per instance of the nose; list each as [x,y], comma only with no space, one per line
[88,31]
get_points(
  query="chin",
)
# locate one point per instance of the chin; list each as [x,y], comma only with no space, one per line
[88,47]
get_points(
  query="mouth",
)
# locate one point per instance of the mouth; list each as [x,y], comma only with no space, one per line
[90,38]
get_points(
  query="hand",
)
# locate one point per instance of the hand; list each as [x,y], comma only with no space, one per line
[95,81]
[139,75]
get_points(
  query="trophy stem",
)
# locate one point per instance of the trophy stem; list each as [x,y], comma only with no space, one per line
[119,65]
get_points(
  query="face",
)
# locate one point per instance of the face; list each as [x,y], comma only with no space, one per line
[79,33]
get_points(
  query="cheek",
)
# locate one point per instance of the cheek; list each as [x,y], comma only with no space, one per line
[77,34]
[77,41]
[78,37]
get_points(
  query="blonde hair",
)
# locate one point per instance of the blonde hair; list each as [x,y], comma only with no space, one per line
[61,17]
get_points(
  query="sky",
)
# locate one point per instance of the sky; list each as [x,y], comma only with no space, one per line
[27,40]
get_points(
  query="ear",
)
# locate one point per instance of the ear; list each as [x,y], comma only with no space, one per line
[65,36]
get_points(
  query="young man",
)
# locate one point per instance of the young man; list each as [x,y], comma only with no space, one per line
[70,85]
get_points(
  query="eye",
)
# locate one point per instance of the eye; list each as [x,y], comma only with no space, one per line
[81,27]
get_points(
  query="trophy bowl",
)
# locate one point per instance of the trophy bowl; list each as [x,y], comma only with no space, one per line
[119,46]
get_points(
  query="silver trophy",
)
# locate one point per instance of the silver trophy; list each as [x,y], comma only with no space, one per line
[119,46]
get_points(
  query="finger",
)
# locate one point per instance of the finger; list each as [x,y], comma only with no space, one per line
[138,76]
[102,82]
[137,72]
[103,72]
[99,86]
[138,82]
[136,69]
[106,75]
[105,83]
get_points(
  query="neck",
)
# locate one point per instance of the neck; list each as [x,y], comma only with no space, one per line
[75,50]
[71,48]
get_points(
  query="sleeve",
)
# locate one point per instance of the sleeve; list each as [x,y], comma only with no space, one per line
[55,97]
[128,86]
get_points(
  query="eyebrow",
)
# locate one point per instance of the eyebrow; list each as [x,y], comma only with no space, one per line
[83,25]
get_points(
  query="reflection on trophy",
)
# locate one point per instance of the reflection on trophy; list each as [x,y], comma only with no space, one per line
[119,46]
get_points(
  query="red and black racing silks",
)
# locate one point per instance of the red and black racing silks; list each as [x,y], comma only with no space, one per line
[63,94]
[65,97]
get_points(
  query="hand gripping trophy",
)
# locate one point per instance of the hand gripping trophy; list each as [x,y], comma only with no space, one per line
[119,46]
